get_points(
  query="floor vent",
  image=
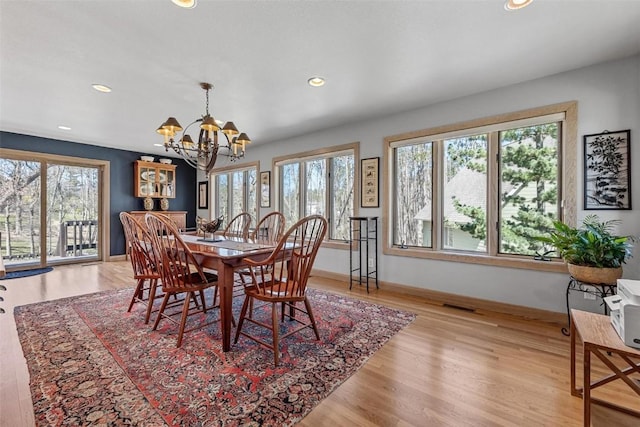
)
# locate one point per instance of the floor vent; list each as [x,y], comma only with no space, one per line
[457,307]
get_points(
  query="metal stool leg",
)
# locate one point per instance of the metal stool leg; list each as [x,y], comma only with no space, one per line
[565,331]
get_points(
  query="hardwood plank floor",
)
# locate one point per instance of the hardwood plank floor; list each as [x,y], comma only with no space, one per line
[448,368]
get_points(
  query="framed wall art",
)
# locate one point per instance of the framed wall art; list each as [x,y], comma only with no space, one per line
[369,182]
[265,189]
[203,195]
[607,173]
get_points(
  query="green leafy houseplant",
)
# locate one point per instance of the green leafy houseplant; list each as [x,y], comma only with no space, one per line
[591,245]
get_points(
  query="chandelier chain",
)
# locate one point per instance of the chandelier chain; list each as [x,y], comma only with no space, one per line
[207,108]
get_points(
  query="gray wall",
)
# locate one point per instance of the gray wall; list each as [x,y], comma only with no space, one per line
[608,97]
[121,183]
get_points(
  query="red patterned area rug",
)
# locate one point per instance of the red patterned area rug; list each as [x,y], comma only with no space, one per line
[92,363]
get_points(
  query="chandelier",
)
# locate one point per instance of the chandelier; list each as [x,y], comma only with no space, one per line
[204,154]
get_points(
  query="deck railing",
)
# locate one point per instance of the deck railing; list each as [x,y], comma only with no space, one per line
[77,236]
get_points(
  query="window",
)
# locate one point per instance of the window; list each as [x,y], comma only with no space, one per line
[464,193]
[529,177]
[290,193]
[482,189]
[235,192]
[320,182]
[413,194]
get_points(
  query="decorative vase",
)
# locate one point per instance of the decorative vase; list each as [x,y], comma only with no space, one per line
[164,204]
[148,204]
[607,276]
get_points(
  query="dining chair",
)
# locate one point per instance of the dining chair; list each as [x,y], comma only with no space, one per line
[143,262]
[269,228]
[238,226]
[169,219]
[281,280]
[181,274]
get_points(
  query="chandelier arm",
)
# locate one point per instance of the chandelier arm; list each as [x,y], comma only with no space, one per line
[190,162]
[228,140]
[212,160]
[184,132]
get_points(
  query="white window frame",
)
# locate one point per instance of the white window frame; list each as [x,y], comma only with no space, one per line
[564,112]
[229,170]
[324,153]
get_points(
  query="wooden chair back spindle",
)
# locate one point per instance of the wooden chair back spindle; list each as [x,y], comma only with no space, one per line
[238,226]
[269,228]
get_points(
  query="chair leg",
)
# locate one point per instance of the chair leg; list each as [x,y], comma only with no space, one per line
[204,304]
[183,319]
[276,330]
[243,312]
[195,299]
[152,298]
[251,309]
[136,294]
[162,307]
[313,320]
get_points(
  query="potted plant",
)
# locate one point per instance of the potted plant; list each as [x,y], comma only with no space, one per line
[592,253]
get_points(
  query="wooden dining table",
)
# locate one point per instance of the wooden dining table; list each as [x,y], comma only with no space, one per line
[225,255]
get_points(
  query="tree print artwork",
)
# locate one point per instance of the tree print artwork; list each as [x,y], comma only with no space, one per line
[607,177]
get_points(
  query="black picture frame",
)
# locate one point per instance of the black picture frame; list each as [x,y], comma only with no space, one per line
[607,170]
[203,195]
[370,182]
[265,189]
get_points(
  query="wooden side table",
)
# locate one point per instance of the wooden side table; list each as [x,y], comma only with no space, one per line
[599,338]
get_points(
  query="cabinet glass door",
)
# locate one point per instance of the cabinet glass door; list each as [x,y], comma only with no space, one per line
[147,182]
[167,183]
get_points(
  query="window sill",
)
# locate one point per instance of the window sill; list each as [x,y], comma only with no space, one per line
[336,244]
[483,259]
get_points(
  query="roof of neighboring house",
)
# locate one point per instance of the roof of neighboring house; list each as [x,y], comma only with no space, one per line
[464,187]
[469,187]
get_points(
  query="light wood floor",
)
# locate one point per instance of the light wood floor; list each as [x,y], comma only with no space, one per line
[448,368]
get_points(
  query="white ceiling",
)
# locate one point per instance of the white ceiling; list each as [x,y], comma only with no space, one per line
[378,58]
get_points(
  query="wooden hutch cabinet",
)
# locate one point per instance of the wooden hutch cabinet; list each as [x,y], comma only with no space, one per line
[156,180]
[179,217]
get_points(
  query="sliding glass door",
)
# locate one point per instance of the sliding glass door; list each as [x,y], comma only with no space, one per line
[20,227]
[49,212]
[72,213]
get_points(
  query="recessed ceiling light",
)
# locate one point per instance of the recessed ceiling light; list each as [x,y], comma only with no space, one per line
[316,81]
[516,4]
[101,88]
[64,127]
[187,4]
[159,145]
